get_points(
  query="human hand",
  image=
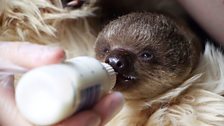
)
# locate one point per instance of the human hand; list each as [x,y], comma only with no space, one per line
[19,57]
[209,15]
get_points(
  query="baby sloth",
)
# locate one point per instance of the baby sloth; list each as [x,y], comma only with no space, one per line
[154,58]
[150,52]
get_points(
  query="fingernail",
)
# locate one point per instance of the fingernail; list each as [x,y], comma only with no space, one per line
[57,54]
[73,3]
[94,121]
[47,55]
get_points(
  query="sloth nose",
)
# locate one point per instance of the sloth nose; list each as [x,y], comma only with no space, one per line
[121,61]
[119,64]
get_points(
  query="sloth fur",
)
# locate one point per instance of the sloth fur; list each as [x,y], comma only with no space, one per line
[196,102]
[47,22]
[164,78]
[200,100]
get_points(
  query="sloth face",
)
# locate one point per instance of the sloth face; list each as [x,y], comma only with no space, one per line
[150,52]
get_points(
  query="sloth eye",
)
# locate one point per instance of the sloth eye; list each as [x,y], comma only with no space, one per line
[147,56]
[105,50]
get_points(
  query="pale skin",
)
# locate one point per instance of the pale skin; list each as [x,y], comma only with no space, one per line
[29,56]
[209,14]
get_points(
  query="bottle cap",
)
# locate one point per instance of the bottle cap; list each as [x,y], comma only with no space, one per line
[111,73]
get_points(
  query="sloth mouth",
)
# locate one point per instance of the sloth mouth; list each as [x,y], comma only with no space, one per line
[127,77]
[124,81]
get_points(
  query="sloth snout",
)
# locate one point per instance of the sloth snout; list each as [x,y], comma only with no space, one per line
[121,60]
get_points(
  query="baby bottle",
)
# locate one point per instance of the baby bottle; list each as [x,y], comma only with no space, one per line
[49,94]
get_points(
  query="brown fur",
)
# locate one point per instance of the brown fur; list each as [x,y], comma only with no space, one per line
[174,51]
[176,54]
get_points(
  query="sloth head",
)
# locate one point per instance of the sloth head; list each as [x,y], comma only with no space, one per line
[150,52]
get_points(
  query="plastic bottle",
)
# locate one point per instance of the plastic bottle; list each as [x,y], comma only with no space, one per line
[49,94]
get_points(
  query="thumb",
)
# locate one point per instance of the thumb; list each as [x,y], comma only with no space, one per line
[9,115]
[29,55]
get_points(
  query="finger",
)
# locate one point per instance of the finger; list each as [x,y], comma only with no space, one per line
[8,68]
[109,106]
[8,111]
[87,118]
[30,55]
[102,112]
